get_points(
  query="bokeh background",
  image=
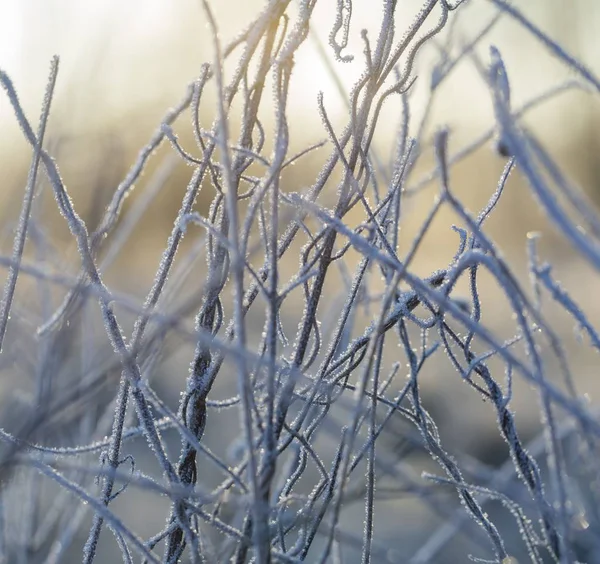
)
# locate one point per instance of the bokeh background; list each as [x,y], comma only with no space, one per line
[123,64]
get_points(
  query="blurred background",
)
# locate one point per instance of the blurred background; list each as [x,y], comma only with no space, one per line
[123,64]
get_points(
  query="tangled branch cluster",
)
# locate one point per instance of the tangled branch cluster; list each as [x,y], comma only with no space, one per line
[283,495]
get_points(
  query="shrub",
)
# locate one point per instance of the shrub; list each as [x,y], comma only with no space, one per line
[326,419]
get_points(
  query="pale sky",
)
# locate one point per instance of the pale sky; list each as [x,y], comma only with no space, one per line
[119,55]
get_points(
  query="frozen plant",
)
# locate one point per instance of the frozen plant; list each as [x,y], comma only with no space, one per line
[312,411]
